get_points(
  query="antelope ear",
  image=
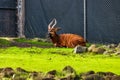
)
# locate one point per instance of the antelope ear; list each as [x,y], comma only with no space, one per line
[58,28]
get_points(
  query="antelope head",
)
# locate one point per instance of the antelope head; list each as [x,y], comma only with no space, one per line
[52,29]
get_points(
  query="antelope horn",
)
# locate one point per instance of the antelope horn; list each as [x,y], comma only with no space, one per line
[49,26]
[54,23]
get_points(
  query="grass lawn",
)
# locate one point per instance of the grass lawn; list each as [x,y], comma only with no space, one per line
[46,59]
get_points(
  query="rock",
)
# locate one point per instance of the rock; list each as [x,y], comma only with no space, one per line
[108,77]
[111,46]
[109,52]
[51,74]
[77,77]
[18,77]
[91,47]
[7,72]
[80,49]
[1,69]
[46,79]
[110,74]
[98,50]
[63,78]
[68,69]
[90,72]
[36,75]
[93,77]
[69,77]
[87,73]
[118,46]
[117,53]
[18,69]
[101,73]
[83,75]
[33,74]
[115,78]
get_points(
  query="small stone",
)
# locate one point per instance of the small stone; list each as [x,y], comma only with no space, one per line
[91,47]
[101,73]
[111,46]
[33,74]
[117,53]
[98,50]
[36,75]
[87,73]
[115,77]
[19,69]
[118,45]
[53,72]
[109,52]
[93,77]
[7,72]
[80,49]
[68,69]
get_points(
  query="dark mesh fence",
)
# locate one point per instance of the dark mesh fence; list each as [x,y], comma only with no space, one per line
[8,3]
[8,26]
[103,18]
[69,15]
[103,21]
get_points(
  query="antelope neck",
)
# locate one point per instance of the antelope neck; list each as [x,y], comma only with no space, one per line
[55,38]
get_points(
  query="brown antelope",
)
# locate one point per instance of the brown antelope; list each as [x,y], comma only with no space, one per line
[64,40]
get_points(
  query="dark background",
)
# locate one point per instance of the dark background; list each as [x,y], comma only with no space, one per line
[103,18]
[8,19]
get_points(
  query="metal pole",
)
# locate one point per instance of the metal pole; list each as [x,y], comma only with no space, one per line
[21,17]
[85,20]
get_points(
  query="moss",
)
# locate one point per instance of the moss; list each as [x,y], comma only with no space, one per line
[34,42]
[4,42]
[20,40]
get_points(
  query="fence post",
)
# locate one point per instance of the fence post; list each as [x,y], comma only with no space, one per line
[85,19]
[20,18]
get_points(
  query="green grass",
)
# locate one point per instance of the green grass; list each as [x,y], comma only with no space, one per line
[4,42]
[7,42]
[46,59]
[34,42]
